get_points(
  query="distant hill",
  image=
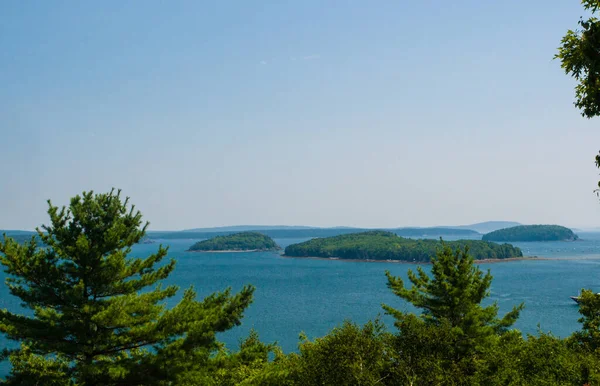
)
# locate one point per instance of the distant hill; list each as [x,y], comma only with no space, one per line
[307,232]
[483,227]
[488,226]
[591,230]
[245,228]
[10,232]
[433,232]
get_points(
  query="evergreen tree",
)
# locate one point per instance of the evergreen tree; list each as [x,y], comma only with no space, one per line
[98,316]
[446,340]
[579,54]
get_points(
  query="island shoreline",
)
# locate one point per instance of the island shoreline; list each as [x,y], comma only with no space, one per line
[483,261]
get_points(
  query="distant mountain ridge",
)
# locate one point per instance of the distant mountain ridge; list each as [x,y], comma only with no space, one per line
[245,228]
[482,227]
[10,232]
[308,232]
[487,226]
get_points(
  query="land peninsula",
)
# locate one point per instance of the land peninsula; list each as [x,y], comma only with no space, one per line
[387,246]
[532,233]
[237,242]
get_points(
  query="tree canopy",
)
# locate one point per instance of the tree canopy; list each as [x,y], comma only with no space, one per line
[381,245]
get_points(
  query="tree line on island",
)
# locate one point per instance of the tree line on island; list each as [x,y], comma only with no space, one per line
[98,317]
[243,241]
[380,245]
[372,245]
[532,233]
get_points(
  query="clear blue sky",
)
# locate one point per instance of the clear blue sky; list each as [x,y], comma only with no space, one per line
[357,113]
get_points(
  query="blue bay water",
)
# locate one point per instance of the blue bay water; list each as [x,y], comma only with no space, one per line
[313,296]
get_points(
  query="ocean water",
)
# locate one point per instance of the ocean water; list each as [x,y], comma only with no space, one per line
[313,296]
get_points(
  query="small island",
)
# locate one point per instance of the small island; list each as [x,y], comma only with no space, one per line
[387,246]
[532,233]
[237,242]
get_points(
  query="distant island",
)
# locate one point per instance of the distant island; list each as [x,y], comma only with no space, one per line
[237,242]
[532,233]
[381,245]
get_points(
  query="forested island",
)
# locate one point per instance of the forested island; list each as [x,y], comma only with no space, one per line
[239,242]
[532,233]
[381,245]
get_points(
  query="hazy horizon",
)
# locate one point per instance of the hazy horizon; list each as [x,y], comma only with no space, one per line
[303,226]
[344,114]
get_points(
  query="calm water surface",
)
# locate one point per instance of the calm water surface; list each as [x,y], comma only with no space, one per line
[294,295]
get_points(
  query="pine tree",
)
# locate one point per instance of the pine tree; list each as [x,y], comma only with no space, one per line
[98,316]
[446,339]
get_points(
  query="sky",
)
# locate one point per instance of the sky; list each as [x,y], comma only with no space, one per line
[312,112]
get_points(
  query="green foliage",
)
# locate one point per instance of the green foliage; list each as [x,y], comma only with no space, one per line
[281,371]
[380,245]
[537,360]
[29,369]
[348,355]
[244,241]
[532,233]
[579,54]
[94,319]
[448,339]
[230,369]
[589,308]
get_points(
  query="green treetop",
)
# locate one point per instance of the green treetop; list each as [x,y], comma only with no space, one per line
[446,339]
[97,315]
[589,308]
[579,54]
